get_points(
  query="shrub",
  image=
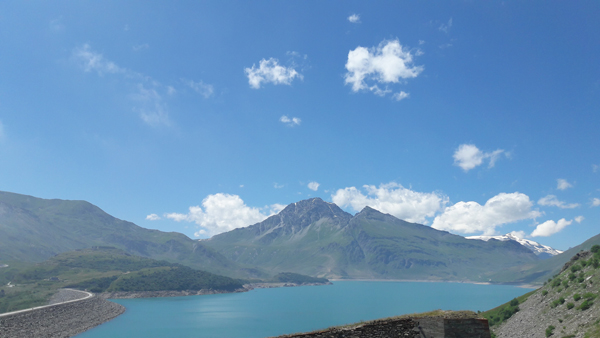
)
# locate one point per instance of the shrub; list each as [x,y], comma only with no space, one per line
[595,248]
[575,268]
[584,263]
[572,276]
[550,331]
[561,300]
[576,297]
[589,296]
[595,263]
[514,302]
[555,303]
[565,283]
[585,305]
[580,279]
[544,292]
[556,282]
[570,306]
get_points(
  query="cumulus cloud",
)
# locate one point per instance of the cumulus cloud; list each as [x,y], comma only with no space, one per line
[223,212]
[552,200]
[270,71]
[153,217]
[468,156]
[400,96]
[201,88]
[562,184]
[291,122]
[596,202]
[519,234]
[354,18]
[314,186]
[385,64]
[579,219]
[550,227]
[392,198]
[472,217]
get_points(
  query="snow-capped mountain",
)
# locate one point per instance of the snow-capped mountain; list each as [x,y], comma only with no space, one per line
[543,251]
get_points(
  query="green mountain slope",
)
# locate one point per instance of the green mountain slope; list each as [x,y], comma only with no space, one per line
[538,272]
[34,229]
[317,238]
[102,269]
[568,305]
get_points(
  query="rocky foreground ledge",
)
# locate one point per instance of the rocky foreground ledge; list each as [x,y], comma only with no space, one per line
[438,324]
[61,320]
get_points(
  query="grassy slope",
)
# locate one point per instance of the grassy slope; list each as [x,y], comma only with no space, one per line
[85,268]
[34,229]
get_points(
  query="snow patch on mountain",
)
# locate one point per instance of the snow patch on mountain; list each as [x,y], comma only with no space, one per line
[537,248]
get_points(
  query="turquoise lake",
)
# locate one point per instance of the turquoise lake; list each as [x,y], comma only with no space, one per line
[271,312]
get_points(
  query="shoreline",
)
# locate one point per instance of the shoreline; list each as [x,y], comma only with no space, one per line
[525,286]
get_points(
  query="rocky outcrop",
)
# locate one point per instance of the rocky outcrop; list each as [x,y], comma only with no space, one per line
[62,320]
[447,325]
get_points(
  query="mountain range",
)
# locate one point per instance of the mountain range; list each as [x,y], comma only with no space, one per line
[310,237]
[317,238]
[542,251]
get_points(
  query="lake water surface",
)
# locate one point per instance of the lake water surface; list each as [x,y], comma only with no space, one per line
[271,312]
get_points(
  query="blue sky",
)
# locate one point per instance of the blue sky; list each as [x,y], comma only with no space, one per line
[198,117]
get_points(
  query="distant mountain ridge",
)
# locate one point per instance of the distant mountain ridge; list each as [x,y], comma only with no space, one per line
[317,238]
[542,251]
[35,229]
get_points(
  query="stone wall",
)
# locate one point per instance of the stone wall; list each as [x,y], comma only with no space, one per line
[428,327]
[63,320]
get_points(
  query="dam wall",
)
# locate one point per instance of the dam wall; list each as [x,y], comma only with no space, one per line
[61,320]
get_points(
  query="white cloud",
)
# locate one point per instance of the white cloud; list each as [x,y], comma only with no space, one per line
[223,212]
[314,186]
[579,219]
[291,122]
[354,18]
[553,201]
[151,108]
[468,156]
[519,234]
[394,199]
[562,184]
[201,88]
[471,217]
[278,186]
[153,217]
[550,227]
[596,202]
[137,48]
[385,64]
[446,27]
[93,61]
[595,168]
[57,25]
[269,71]
[400,96]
